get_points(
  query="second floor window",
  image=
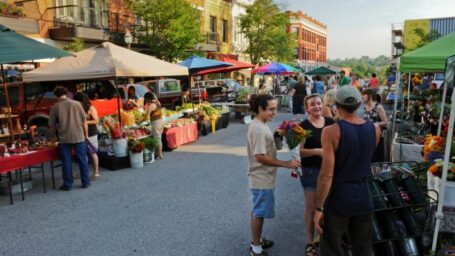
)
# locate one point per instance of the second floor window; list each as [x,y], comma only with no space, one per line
[213,24]
[87,13]
[225,31]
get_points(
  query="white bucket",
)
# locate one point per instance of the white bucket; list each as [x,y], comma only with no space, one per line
[449,194]
[136,160]
[120,148]
[149,156]
[109,146]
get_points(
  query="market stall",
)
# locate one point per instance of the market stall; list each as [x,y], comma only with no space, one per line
[430,58]
[109,62]
[22,148]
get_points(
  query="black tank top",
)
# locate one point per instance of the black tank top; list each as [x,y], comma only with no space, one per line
[349,194]
[92,128]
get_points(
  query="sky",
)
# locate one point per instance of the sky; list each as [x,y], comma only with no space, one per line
[358,28]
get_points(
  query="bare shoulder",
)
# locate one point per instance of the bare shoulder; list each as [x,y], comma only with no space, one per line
[331,130]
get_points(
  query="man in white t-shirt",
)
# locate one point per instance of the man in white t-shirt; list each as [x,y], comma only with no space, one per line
[262,167]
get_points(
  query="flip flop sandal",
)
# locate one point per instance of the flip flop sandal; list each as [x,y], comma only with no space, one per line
[310,250]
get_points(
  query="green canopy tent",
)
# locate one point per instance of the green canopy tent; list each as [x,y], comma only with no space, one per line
[321,71]
[15,48]
[429,58]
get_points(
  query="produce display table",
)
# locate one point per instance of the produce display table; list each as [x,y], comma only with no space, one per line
[176,136]
[30,159]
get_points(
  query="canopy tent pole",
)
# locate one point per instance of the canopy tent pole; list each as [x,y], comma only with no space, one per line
[118,101]
[10,121]
[439,215]
[409,91]
[395,103]
[441,115]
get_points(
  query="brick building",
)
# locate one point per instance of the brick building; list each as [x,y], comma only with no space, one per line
[311,37]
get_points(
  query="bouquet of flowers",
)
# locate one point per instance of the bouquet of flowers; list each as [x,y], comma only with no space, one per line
[114,129]
[294,135]
[135,146]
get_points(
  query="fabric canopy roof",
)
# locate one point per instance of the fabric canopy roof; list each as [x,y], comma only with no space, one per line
[321,71]
[429,58]
[15,48]
[105,61]
[236,65]
[275,68]
[196,64]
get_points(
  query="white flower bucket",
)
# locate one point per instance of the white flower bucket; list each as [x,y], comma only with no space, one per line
[136,160]
[149,156]
[120,148]
[109,146]
[449,194]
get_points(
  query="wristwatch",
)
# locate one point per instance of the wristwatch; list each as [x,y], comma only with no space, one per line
[319,209]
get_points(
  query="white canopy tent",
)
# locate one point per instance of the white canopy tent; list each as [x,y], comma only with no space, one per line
[105,61]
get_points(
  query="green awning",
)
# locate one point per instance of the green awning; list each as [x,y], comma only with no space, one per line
[15,48]
[429,58]
[321,71]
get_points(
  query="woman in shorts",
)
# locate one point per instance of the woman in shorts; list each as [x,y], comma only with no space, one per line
[153,113]
[311,161]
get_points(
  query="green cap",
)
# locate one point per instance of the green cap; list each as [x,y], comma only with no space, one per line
[348,95]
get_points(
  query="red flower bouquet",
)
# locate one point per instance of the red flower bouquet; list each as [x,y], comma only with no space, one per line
[115,130]
[293,133]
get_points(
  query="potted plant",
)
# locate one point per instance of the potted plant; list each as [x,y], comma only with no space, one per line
[150,143]
[136,148]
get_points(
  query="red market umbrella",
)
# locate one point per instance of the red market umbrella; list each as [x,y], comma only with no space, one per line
[236,65]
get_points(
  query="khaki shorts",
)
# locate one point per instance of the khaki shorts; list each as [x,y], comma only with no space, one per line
[157,129]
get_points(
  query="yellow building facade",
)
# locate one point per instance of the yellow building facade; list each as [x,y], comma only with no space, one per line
[216,25]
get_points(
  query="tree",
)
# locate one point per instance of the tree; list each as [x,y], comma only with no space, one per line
[265,26]
[76,46]
[424,38]
[365,66]
[173,27]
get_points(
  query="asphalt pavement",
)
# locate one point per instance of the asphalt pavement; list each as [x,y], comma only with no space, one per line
[194,202]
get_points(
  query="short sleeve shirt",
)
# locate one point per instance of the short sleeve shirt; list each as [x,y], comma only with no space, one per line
[260,141]
[345,81]
[68,117]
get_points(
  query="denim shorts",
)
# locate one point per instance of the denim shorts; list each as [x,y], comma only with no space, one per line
[309,178]
[263,203]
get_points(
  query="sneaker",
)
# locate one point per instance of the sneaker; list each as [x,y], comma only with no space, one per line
[63,188]
[263,253]
[265,243]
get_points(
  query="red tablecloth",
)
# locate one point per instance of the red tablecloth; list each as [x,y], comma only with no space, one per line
[177,136]
[15,162]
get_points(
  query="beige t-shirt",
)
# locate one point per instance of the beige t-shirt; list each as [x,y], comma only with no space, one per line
[260,141]
[68,117]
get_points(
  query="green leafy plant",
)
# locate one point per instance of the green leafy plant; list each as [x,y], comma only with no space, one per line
[76,46]
[150,143]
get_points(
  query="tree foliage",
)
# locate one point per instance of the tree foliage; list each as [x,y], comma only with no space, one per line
[76,46]
[424,38]
[364,66]
[173,27]
[265,26]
